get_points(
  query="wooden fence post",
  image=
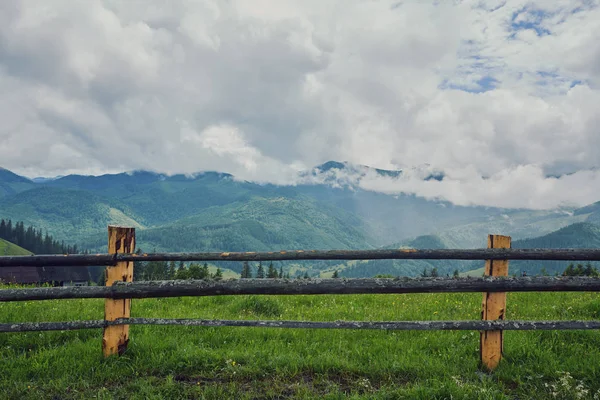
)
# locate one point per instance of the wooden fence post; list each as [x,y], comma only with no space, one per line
[494,306]
[115,338]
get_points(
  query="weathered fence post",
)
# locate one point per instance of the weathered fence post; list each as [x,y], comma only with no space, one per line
[115,338]
[494,306]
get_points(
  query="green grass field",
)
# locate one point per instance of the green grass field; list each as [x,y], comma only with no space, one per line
[220,363]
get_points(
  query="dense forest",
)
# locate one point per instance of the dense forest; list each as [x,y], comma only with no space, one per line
[33,239]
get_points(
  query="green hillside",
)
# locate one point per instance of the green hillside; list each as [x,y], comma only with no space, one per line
[371,268]
[165,201]
[67,214]
[592,211]
[10,249]
[259,224]
[519,224]
[577,236]
[263,224]
[154,200]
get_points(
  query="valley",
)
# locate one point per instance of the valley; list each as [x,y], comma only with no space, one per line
[325,209]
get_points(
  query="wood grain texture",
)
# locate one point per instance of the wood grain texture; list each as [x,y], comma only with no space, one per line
[494,306]
[383,325]
[115,338]
[179,288]
[72,260]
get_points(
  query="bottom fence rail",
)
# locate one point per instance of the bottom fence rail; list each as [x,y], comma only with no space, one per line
[378,325]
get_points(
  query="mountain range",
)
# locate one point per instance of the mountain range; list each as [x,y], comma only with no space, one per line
[325,209]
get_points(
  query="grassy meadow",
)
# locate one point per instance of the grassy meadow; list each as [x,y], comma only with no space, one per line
[270,363]
[10,249]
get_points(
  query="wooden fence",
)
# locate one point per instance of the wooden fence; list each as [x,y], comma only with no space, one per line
[120,289]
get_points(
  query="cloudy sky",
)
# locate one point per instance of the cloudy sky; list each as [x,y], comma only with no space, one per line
[502,96]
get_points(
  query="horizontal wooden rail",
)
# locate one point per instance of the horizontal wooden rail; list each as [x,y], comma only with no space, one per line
[391,325]
[178,288]
[75,260]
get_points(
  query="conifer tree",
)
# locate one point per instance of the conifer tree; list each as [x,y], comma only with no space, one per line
[569,271]
[246,271]
[171,270]
[32,239]
[195,272]
[260,272]
[181,272]
[271,272]
[101,280]
[218,274]
[139,268]
[335,274]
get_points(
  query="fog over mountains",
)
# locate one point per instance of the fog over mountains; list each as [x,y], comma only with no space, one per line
[327,207]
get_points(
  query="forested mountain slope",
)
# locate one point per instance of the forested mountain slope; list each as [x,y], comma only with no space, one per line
[213,211]
[578,235]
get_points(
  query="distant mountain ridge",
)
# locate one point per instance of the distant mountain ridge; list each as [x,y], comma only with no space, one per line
[344,173]
[356,171]
[336,165]
[11,183]
[7,176]
[217,212]
[152,199]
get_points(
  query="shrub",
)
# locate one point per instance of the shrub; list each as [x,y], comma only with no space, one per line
[259,306]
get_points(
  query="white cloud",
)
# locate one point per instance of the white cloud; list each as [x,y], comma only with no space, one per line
[506,90]
[519,187]
[227,143]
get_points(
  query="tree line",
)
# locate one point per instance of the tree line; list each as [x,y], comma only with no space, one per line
[262,273]
[33,239]
[168,270]
[572,270]
[581,270]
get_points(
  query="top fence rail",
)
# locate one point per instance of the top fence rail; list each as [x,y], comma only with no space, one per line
[73,260]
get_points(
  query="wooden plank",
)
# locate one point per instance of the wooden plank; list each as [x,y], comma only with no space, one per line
[73,260]
[115,338]
[385,325]
[494,306]
[179,288]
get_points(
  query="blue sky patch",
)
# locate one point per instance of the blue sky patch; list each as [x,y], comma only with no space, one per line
[575,83]
[533,20]
[484,84]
